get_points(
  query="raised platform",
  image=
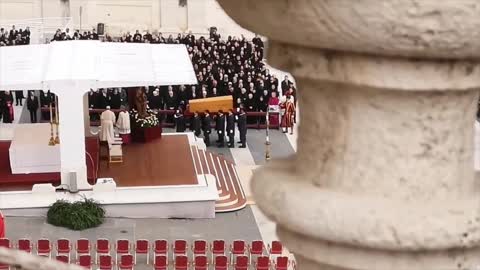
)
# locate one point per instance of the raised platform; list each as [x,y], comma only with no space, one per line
[174,177]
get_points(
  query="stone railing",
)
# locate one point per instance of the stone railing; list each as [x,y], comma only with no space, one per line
[384,174]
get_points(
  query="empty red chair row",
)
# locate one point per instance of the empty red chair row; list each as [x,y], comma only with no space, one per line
[63,247]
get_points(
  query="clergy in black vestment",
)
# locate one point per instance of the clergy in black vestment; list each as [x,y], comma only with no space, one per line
[115,100]
[19,98]
[179,121]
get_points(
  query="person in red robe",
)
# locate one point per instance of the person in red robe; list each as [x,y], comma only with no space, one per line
[273,103]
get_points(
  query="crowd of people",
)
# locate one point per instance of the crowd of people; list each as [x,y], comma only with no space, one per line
[14,37]
[224,66]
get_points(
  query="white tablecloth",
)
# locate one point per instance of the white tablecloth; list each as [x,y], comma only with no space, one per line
[30,152]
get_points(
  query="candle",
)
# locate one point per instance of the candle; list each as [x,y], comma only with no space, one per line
[56,111]
[51,118]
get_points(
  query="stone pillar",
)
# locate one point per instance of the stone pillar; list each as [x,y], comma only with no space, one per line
[72,133]
[384,176]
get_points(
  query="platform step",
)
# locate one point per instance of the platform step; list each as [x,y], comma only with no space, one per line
[230,191]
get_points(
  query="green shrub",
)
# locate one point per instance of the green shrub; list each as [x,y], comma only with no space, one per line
[76,216]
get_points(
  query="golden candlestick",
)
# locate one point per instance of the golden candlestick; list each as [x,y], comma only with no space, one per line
[52,140]
[57,139]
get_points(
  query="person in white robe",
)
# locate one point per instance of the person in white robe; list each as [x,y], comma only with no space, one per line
[123,126]
[107,121]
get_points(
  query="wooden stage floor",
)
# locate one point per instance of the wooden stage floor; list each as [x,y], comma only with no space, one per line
[165,161]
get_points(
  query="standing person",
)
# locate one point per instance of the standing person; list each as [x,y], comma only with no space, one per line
[242,127]
[220,127]
[19,98]
[196,124]
[45,100]
[273,106]
[207,128]
[179,121]
[32,106]
[231,128]
[289,114]
[107,122]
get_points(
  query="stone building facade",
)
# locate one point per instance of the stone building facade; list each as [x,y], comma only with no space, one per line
[127,15]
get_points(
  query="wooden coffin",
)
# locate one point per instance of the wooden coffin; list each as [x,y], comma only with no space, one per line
[214,104]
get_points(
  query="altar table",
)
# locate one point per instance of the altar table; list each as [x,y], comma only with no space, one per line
[30,152]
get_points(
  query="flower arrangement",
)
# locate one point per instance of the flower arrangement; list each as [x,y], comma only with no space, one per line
[151,120]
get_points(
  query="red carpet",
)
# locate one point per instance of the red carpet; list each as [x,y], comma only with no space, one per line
[8,179]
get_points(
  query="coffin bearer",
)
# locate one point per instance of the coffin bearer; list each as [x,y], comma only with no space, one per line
[242,127]
[220,127]
[32,106]
[196,124]
[207,128]
[231,128]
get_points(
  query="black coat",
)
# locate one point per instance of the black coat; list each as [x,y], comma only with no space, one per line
[115,101]
[32,104]
[19,95]
[196,125]
[220,123]
[207,124]
[242,123]
[231,125]
[156,102]
[180,122]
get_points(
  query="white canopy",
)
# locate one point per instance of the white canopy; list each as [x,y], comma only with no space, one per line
[100,64]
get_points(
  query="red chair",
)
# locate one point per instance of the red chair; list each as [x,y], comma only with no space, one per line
[105,262]
[25,245]
[121,247]
[262,263]
[85,261]
[276,248]
[179,248]
[181,262]
[281,263]
[63,247]
[142,247]
[242,262]
[63,258]
[102,247]
[256,249]
[82,247]
[160,262]
[237,248]
[44,247]
[5,242]
[200,262]
[218,248]
[160,247]
[199,247]
[220,262]
[126,262]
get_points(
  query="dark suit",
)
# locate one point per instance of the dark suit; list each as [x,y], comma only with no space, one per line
[231,130]
[207,129]
[19,98]
[196,125]
[32,106]
[242,128]
[220,127]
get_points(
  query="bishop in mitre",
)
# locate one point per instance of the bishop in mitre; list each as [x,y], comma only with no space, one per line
[107,121]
